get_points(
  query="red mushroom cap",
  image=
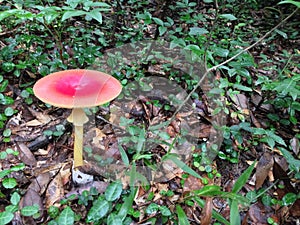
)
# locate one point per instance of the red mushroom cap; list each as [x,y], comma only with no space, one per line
[77,88]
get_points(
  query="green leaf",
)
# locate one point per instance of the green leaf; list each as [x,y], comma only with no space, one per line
[222,52]
[7,132]
[114,220]
[181,165]
[296,3]
[198,31]
[113,191]
[162,30]
[182,218]
[69,14]
[4,173]
[67,217]
[275,137]
[228,16]
[30,210]
[241,181]
[296,105]
[98,210]
[209,191]
[3,155]
[11,12]
[165,211]
[9,111]
[281,33]
[289,199]
[9,183]
[152,208]
[235,218]
[127,204]
[158,21]
[242,87]
[15,198]
[95,14]
[124,156]
[6,217]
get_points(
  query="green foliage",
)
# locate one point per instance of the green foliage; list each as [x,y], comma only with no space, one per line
[54,36]
[296,3]
[104,207]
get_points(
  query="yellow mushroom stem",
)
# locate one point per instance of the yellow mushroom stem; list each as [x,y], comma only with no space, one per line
[78,118]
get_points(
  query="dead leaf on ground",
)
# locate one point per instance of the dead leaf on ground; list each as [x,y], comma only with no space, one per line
[55,191]
[295,209]
[295,145]
[259,213]
[40,183]
[191,184]
[40,116]
[26,155]
[32,197]
[263,168]
[207,212]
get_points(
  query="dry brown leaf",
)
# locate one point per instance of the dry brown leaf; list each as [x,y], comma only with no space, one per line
[295,145]
[207,212]
[40,183]
[295,209]
[98,137]
[256,215]
[26,155]
[241,101]
[40,116]
[263,168]
[32,198]
[55,191]
[191,184]
[34,123]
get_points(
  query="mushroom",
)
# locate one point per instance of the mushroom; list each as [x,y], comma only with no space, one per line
[77,89]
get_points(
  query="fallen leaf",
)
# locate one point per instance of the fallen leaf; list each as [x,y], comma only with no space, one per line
[295,145]
[263,167]
[207,212]
[295,209]
[259,213]
[55,191]
[32,198]
[40,116]
[191,184]
[34,123]
[40,183]
[26,155]
[241,101]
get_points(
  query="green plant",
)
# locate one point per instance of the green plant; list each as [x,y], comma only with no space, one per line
[111,207]
[8,184]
